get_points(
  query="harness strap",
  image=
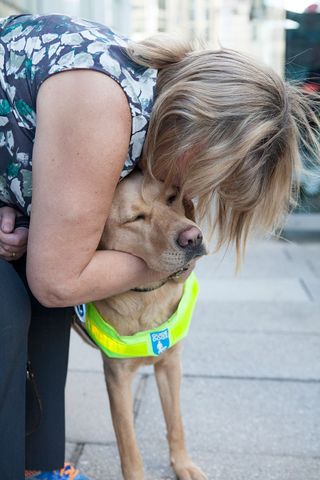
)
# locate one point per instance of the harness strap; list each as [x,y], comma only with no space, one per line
[146,343]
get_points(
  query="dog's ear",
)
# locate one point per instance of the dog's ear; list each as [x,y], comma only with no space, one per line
[142,165]
[189,209]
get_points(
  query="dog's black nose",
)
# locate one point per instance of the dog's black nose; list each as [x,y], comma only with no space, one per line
[190,238]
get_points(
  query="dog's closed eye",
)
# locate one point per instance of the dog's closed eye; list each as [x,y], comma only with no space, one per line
[171,199]
[136,218]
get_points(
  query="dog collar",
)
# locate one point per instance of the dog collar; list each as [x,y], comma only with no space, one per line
[149,289]
[149,343]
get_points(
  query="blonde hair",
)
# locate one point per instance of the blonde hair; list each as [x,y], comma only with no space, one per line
[245,126]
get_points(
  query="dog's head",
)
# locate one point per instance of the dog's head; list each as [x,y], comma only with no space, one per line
[154,224]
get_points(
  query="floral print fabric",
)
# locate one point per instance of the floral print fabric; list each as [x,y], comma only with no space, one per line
[34,47]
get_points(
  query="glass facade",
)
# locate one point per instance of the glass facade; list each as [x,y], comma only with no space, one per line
[302,62]
[10,8]
[103,11]
[303,48]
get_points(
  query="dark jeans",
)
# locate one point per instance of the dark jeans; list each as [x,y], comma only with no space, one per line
[29,330]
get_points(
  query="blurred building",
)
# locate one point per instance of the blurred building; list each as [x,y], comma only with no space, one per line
[248,25]
[284,34]
[104,11]
[187,18]
[253,26]
[8,7]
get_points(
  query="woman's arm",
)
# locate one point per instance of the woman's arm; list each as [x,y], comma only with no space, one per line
[82,137]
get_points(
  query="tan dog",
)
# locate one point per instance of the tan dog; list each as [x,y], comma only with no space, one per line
[152,224]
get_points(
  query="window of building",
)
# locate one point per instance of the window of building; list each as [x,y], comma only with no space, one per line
[162,24]
[191,12]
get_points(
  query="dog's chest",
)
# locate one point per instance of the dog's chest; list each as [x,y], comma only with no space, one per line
[134,312]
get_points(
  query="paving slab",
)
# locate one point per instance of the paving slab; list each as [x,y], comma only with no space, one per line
[238,416]
[69,451]
[313,287]
[259,467]
[83,357]
[272,258]
[259,262]
[308,253]
[252,355]
[255,317]
[88,416]
[261,259]
[314,265]
[87,409]
[252,290]
[303,222]
[239,430]
[255,340]
[102,463]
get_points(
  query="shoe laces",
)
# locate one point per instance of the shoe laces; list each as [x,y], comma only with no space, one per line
[68,472]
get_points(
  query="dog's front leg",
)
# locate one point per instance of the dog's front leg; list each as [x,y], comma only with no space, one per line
[119,385]
[168,376]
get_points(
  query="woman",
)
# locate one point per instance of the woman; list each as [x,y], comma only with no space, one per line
[219,126]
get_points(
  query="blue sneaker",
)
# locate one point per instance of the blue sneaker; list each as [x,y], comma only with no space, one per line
[68,472]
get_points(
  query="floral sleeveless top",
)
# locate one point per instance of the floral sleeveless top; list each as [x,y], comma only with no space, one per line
[34,47]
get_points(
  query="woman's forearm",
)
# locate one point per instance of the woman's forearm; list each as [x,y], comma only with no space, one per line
[107,274]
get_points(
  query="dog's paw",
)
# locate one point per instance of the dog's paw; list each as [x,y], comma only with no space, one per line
[189,471]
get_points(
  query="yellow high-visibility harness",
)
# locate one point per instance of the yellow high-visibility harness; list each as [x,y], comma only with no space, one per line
[142,344]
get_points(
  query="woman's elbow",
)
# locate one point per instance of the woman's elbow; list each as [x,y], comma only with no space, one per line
[48,292]
[51,298]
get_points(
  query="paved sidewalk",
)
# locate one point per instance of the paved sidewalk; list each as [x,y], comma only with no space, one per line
[251,386]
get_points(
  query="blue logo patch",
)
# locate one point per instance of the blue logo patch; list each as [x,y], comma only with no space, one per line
[81,312]
[160,341]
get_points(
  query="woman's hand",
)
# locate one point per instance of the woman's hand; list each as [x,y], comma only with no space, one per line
[13,241]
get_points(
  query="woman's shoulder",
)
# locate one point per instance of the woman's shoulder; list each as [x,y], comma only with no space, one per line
[46,44]
[35,47]
[55,26]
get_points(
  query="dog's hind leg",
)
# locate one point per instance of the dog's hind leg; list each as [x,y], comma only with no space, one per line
[168,376]
[119,385]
